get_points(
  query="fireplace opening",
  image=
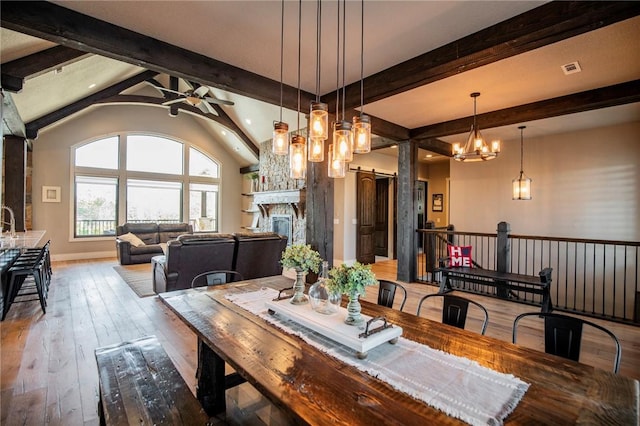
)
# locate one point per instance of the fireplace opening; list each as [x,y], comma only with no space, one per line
[283,225]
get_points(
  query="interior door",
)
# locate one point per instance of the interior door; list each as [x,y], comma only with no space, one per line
[366,217]
[382,218]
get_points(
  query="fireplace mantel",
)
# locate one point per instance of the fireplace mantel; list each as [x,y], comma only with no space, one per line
[296,198]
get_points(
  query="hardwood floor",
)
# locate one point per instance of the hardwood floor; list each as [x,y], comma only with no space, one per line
[48,370]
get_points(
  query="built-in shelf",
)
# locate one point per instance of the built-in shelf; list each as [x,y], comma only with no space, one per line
[251,211]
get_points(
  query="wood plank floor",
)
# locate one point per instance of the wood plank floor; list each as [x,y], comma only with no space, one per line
[48,370]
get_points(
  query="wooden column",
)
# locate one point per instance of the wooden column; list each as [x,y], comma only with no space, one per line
[319,207]
[407,241]
[15,171]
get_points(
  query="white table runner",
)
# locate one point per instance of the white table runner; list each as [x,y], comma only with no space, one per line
[459,387]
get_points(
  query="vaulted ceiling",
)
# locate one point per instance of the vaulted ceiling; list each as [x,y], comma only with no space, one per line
[421,61]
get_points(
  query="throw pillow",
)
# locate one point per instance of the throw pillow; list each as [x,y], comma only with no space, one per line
[132,238]
[459,256]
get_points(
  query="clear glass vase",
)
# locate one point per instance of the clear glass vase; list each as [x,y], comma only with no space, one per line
[322,300]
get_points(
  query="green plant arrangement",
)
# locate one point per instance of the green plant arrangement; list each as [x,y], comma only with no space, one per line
[351,279]
[253,176]
[301,257]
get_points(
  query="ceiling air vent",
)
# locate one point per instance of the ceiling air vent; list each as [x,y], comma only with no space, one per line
[571,68]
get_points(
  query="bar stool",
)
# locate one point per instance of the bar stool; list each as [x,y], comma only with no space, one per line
[24,267]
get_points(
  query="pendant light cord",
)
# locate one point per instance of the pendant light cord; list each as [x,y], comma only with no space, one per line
[281,55]
[521,152]
[299,44]
[362,58]
[338,67]
[318,47]
[344,36]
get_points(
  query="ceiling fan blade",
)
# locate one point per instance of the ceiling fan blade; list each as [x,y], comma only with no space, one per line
[209,107]
[202,105]
[201,91]
[218,101]
[169,90]
[173,101]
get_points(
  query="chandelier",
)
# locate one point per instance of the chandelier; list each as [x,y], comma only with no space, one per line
[476,148]
[521,184]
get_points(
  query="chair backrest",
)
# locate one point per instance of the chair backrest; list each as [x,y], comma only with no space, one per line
[387,293]
[563,335]
[455,308]
[258,254]
[211,278]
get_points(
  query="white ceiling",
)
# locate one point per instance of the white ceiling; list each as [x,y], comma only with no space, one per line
[246,34]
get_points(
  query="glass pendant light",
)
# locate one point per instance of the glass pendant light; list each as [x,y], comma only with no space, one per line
[280,139]
[298,148]
[343,141]
[298,158]
[521,184]
[336,167]
[319,116]
[361,123]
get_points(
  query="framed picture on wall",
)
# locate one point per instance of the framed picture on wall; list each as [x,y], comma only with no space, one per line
[50,194]
[437,203]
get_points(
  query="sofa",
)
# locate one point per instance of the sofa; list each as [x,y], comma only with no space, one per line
[258,254]
[252,255]
[139,242]
[190,255]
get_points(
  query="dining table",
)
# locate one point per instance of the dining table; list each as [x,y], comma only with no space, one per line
[311,386]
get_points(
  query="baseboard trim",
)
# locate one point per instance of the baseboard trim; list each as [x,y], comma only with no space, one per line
[83,256]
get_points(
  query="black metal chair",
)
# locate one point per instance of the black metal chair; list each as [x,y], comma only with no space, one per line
[215,278]
[387,293]
[454,310]
[27,265]
[563,335]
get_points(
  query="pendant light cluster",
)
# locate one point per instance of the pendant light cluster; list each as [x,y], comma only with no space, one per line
[476,148]
[348,137]
[522,184]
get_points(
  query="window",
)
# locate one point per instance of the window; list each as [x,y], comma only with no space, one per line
[96,206]
[203,207]
[153,201]
[147,174]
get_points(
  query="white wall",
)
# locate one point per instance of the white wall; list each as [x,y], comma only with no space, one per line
[51,156]
[585,185]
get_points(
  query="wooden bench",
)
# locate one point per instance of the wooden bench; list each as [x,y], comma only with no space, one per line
[140,385]
[505,282]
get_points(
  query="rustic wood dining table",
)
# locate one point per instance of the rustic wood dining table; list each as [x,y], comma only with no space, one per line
[312,387]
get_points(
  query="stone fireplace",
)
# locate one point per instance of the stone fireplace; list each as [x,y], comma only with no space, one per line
[283,225]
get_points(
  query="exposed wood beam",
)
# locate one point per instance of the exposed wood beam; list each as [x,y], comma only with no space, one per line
[223,119]
[72,29]
[84,33]
[544,25]
[237,130]
[15,72]
[619,94]
[435,145]
[12,123]
[34,126]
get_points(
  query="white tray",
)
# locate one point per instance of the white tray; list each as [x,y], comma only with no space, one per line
[333,326]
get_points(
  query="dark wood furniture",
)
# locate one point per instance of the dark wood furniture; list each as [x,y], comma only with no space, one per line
[505,282]
[140,385]
[315,388]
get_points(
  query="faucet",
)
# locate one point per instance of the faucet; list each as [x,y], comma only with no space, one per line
[12,221]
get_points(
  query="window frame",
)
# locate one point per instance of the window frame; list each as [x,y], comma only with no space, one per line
[122,175]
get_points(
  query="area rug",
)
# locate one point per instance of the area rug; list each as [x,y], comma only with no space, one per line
[138,277]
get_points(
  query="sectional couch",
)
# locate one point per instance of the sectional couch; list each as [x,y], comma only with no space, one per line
[139,242]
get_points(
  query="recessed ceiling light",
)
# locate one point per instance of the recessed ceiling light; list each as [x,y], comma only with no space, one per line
[224,132]
[92,85]
[248,121]
[428,156]
[394,146]
[237,148]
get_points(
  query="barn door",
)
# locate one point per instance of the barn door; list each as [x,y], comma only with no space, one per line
[366,216]
[382,218]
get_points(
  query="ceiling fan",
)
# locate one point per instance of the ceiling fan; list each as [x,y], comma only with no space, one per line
[197,98]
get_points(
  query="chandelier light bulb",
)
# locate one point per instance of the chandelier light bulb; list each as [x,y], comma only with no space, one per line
[298,158]
[316,150]
[280,145]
